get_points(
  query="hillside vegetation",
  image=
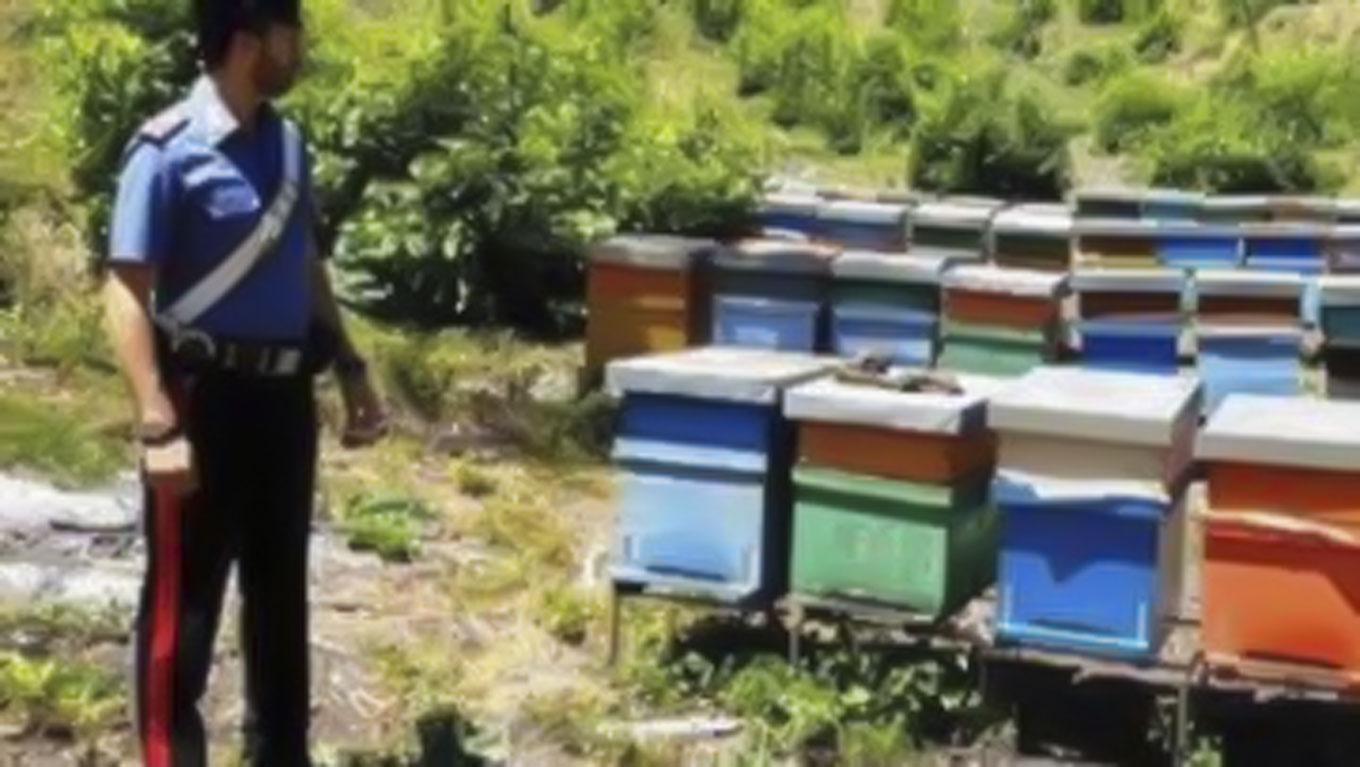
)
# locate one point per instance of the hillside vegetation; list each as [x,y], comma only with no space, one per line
[468,150]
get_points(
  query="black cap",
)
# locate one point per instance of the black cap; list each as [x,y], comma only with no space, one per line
[218,20]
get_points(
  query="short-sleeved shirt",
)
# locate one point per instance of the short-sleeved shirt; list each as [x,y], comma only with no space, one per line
[194,185]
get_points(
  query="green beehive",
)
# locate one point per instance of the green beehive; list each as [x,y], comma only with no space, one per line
[993,350]
[898,544]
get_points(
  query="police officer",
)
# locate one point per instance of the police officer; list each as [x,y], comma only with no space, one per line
[218,305]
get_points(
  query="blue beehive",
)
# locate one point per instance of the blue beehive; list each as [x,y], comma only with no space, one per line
[1090,472]
[1198,246]
[771,294]
[886,303]
[1248,333]
[1343,247]
[785,213]
[864,225]
[1130,319]
[1295,248]
[1260,359]
[705,455]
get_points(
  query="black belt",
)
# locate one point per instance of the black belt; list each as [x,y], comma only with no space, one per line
[195,351]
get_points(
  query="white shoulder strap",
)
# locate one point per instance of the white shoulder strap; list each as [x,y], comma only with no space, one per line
[196,301]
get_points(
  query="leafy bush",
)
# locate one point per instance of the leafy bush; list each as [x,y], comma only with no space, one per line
[1303,94]
[985,137]
[115,65]
[1100,11]
[1093,64]
[1159,38]
[1021,27]
[1132,106]
[717,20]
[1217,147]
[934,25]
[1248,13]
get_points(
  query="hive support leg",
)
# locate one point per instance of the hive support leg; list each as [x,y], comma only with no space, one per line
[796,617]
[615,619]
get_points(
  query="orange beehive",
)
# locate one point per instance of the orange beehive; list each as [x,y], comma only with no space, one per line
[1327,496]
[1282,547]
[895,454]
[1279,592]
[1006,310]
[645,294]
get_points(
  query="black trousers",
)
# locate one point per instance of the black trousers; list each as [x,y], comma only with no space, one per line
[254,443]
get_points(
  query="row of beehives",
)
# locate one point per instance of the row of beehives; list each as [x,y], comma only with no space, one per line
[1108,228]
[655,293]
[749,474]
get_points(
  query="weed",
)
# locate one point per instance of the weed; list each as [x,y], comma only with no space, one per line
[55,696]
[474,482]
[64,444]
[389,525]
[527,527]
[567,613]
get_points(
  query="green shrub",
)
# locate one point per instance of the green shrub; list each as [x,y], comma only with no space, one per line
[717,20]
[1217,147]
[1020,29]
[985,137]
[1094,64]
[1132,106]
[1159,38]
[1303,94]
[884,79]
[933,25]
[1115,11]
[1248,13]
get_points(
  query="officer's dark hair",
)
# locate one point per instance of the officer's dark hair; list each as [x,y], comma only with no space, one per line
[218,22]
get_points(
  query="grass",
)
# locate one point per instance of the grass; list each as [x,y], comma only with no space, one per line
[60,440]
[387,524]
[49,686]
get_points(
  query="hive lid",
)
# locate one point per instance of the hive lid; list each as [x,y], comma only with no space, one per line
[1116,227]
[1135,194]
[954,215]
[864,212]
[1042,220]
[1248,284]
[772,255]
[1263,328]
[1340,289]
[834,401]
[790,202]
[1128,280]
[891,267]
[1286,230]
[1283,431]
[1125,408]
[1346,232]
[653,251]
[1194,230]
[1017,282]
[1237,203]
[754,376]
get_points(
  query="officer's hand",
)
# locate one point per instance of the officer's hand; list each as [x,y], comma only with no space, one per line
[365,421]
[170,465]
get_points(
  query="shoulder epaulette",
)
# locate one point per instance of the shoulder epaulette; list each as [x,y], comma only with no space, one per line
[164,126]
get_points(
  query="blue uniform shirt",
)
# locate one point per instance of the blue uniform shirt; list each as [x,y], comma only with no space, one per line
[193,187]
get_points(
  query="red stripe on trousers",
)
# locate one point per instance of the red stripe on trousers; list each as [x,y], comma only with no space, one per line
[160,667]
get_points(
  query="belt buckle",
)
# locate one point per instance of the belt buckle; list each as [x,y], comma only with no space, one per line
[193,344]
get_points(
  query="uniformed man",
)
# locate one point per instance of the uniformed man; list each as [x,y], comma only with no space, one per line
[218,304]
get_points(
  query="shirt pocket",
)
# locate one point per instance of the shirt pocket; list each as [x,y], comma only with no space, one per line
[221,192]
